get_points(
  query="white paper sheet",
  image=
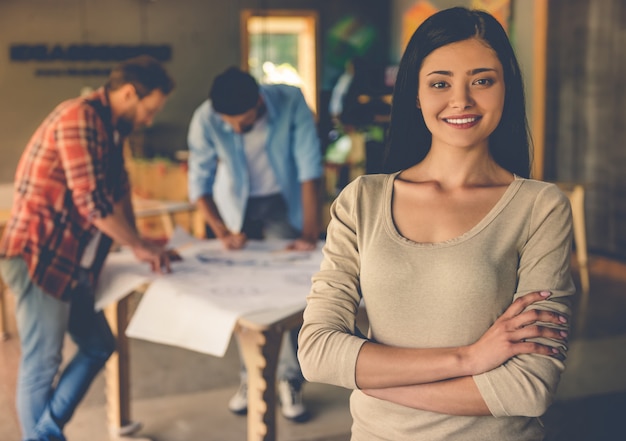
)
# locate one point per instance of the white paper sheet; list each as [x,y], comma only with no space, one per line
[198,304]
[121,274]
[188,321]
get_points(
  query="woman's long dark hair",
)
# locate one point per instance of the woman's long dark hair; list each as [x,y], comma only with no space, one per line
[410,139]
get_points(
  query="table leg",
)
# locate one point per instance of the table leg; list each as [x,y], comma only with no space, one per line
[117,375]
[260,352]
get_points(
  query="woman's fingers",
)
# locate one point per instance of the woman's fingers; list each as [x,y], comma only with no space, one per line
[534,324]
[517,316]
[515,331]
[537,348]
[536,331]
[537,315]
[521,303]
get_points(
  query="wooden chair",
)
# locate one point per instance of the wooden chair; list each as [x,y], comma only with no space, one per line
[576,195]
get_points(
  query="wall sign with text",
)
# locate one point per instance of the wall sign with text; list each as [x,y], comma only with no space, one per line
[83,53]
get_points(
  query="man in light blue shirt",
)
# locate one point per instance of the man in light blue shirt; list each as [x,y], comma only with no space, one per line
[254,169]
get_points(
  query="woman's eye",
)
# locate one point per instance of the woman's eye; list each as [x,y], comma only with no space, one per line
[483,82]
[438,85]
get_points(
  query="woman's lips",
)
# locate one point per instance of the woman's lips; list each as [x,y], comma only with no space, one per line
[462,122]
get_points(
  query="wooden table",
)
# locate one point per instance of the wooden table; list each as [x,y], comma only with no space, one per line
[259,336]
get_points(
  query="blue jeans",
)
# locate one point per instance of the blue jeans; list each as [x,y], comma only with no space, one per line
[42,321]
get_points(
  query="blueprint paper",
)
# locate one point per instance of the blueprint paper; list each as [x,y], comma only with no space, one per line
[197,305]
[122,273]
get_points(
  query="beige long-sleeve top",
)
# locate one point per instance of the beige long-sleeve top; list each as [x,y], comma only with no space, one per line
[438,295]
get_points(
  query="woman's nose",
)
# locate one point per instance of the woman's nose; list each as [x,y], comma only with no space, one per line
[461,97]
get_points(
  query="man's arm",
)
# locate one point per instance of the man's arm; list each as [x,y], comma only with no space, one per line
[210,214]
[310,216]
[203,162]
[308,159]
[120,226]
[126,206]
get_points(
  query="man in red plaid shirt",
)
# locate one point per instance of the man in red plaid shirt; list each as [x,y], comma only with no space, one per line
[71,201]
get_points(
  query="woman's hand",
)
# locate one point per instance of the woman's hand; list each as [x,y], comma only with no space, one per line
[510,333]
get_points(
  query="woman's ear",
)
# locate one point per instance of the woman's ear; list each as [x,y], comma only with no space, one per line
[417,102]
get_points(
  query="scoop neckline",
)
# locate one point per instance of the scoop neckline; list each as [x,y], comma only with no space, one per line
[481,225]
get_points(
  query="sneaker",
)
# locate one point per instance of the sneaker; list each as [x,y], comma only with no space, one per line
[238,404]
[290,397]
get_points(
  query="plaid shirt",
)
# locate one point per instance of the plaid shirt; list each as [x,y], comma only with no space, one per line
[71,172]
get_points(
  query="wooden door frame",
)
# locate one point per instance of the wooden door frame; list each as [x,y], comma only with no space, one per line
[310,14]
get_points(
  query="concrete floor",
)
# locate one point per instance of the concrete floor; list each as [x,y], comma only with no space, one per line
[201,414]
[181,395]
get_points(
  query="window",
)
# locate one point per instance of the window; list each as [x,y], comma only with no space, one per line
[280,46]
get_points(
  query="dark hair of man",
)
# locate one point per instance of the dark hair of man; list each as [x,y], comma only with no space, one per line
[234,92]
[410,139]
[144,72]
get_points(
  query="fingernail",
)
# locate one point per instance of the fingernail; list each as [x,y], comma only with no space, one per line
[545,293]
[562,319]
[563,334]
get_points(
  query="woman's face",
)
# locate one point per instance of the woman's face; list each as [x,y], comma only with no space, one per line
[461,94]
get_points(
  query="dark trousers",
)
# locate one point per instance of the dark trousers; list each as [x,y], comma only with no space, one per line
[265,218]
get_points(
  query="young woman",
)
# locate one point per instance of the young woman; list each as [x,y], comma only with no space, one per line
[462,261]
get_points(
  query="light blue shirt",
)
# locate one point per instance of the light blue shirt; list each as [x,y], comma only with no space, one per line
[293,149]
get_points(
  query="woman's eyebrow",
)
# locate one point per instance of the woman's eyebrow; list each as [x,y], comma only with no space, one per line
[469,72]
[481,70]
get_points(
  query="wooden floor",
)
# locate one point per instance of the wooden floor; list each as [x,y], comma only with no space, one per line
[596,417]
[603,314]
[591,418]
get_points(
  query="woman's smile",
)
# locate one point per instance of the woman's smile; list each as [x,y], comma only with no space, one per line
[461,93]
[463,121]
